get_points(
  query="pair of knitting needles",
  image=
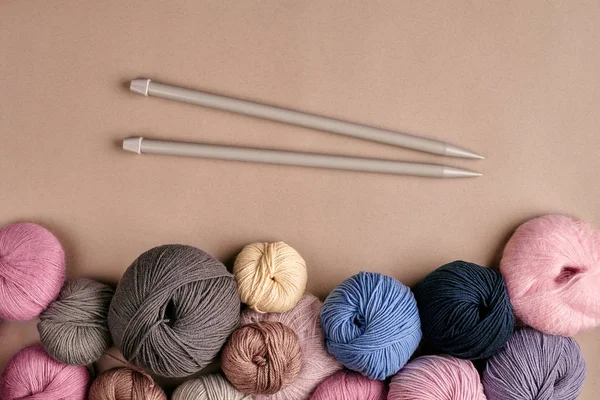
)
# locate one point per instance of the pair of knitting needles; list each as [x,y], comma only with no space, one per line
[141,145]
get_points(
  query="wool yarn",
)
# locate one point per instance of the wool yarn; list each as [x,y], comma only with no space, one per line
[350,385]
[125,384]
[535,366]
[33,374]
[208,387]
[437,378]
[74,328]
[271,277]
[262,358]
[317,363]
[32,270]
[551,265]
[371,324]
[465,311]
[173,310]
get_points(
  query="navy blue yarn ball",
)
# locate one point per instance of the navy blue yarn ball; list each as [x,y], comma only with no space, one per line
[465,311]
[371,324]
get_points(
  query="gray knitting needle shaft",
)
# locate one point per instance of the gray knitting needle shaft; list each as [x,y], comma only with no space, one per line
[148,88]
[140,146]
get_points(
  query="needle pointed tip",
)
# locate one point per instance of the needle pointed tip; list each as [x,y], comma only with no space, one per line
[452,172]
[453,151]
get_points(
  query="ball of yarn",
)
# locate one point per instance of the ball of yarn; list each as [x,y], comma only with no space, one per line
[437,378]
[125,384]
[271,277]
[33,374]
[551,265]
[349,385]
[74,328]
[317,363]
[262,358]
[32,270]
[465,311]
[173,310]
[208,387]
[535,365]
[371,324]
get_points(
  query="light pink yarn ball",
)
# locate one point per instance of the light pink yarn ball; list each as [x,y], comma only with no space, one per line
[551,266]
[437,378]
[350,385]
[33,374]
[32,270]
[317,364]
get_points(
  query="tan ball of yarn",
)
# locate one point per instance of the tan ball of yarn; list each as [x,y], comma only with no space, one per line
[271,277]
[125,384]
[208,387]
[262,358]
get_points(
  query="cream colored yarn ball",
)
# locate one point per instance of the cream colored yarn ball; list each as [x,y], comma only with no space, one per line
[271,277]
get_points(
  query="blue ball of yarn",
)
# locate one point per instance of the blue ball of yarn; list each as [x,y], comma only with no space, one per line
[465,311]
[371,324]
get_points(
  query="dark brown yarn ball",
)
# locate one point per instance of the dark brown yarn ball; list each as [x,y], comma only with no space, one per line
[262,358]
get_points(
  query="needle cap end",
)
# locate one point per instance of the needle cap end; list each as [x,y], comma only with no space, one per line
[140,86]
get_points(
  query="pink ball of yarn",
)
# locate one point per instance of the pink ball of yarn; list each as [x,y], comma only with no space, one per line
[32,270]
[551,266]
[33,374]
[316,363]
[350,385]
[437,378]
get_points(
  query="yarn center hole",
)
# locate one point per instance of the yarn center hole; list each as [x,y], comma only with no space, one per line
[170,314]
[567,273]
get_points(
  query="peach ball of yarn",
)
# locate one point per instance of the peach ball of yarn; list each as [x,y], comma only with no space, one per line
[350,385]
[208,387]
[33,374]
[271,277]
[437,378]
[316,363]
[125,384]
[32,270]
[551,266]
[262,358]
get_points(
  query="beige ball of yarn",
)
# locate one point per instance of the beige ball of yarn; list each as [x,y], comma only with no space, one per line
[271,277]
[209,387]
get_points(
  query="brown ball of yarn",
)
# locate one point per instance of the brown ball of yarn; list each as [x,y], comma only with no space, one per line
[262,358]
[125,384]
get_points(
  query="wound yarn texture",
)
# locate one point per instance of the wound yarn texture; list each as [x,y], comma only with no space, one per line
[208,387]
[125,384]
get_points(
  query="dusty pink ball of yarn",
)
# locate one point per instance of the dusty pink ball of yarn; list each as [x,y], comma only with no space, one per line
[437,378]
[350,385]
[316,363]
[33,374]
[551,266]
[32,270]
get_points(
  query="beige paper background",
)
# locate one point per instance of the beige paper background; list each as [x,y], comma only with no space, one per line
[517,81]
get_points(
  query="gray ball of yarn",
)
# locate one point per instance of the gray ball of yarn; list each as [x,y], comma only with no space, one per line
[74,328]
[173,310]
[208,387]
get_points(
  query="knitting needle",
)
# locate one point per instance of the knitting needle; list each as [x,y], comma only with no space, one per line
[148,88]
[140,145]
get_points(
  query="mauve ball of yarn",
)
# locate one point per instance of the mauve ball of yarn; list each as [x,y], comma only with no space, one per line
[74,328]
[173,310]
[437,378]
[465,311]
[208,387]
[371,324]
[32,270]
[33,374]
[350,385]
[535,366]
[125,384]
[551,265]
[262,358]
[317,363]
[271,277]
